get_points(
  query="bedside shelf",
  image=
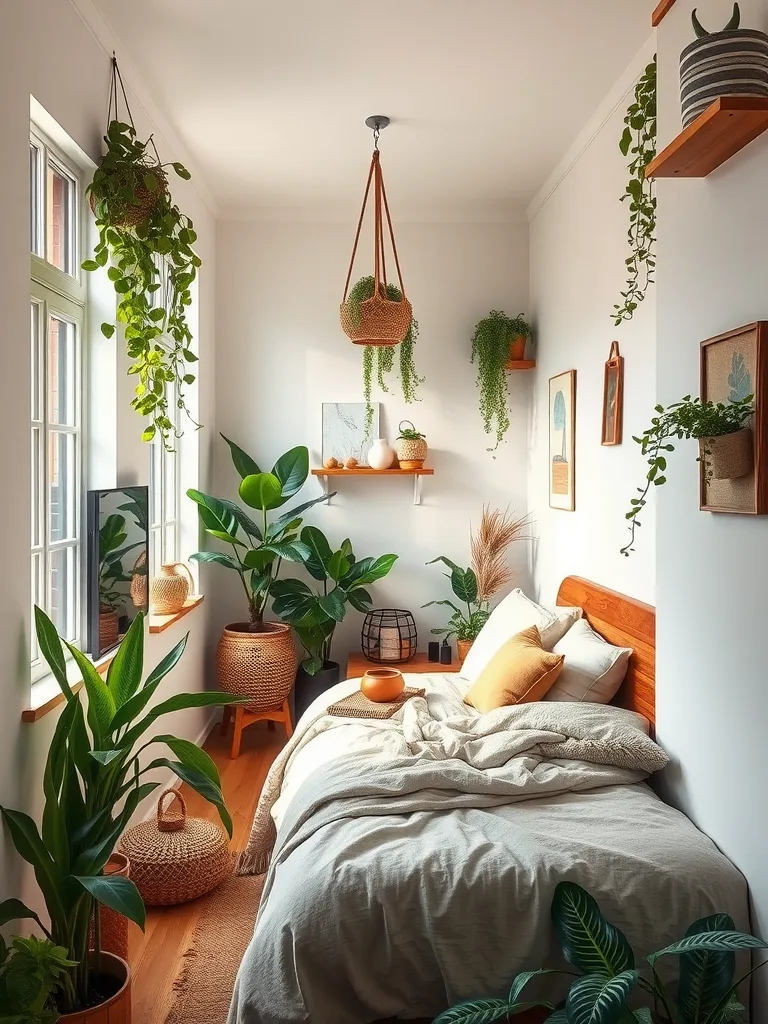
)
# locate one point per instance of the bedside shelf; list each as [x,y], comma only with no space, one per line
[725,128]
[417,474]
[520,364]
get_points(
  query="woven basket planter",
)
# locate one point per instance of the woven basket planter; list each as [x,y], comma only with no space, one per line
[146,200]
[728,456]
[175,858]
[411,454]
[376,321]
[261,666]
[139,589]
[731,63]
[463,647]
[109,628]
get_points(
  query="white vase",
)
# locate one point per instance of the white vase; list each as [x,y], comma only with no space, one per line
[380,455]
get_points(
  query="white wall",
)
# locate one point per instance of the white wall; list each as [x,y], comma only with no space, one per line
[711,694]
[48,52]
[281,353]
[578,249]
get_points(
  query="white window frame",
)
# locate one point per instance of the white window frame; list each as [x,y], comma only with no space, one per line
[55,293]
[165,530]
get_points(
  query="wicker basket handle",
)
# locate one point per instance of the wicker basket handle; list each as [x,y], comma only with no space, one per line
[177,822]
[187,570]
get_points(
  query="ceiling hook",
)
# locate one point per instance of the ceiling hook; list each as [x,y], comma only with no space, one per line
[377,122]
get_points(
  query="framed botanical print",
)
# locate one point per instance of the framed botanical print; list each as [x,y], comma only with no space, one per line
[613,397]
[562,441]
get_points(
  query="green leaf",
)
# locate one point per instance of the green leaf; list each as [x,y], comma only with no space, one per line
[446,561]
[316,563]
[108,330]
[292,470]
[148,433]
[117,893]
[338,565]
[243,462]
[262,491]
[716,942]
[15,910]
[291,551]
[181,170]
[284,588]
[705,976]
[101,703]
[588,941]
[522,980]
[596,999]
[30,847]
[134,707]
[191,755]
[360,599]
[214,515]
[124,673]
[285,520]
[464,585]
[475,1011]
[51,649]
[89,265]
[215,556]
[242,517]
[179,702]
[333,605]
[368,571]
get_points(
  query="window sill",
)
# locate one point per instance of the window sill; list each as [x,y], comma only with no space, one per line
[46,695]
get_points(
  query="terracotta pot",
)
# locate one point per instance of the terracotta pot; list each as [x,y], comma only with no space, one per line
[114,926]
[463,647]
[258,665]
[117,1009]
[382,684]
[170,589]
[516,349]
[109,628]
[728,456]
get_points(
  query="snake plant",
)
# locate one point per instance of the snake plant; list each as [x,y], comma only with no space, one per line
[732,25]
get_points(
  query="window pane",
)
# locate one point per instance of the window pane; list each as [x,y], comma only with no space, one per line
[62,477]
[37,362]
[37,475]
[169,552]
[62,370]
[156,550]
[169,484]
[63,591]
[37,599]
[34,200]
[155,483]
[60,241]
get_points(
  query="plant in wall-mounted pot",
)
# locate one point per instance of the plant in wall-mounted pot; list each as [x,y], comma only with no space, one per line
[497,341]
[315,614]
[410,446]
[725,445]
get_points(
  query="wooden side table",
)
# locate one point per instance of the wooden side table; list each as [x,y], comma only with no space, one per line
[357,665]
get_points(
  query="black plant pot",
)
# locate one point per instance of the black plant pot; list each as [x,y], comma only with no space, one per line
[309,688]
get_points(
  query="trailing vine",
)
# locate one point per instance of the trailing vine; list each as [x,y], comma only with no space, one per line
[490,350]
[639,141]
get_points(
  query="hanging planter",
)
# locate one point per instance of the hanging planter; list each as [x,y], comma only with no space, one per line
[378,320]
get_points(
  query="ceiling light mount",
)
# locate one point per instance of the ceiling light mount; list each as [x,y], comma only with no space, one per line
[377,122]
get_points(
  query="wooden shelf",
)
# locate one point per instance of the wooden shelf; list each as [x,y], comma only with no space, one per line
[725,127]
[417,474]
[661,11]
[159,623]
[520,364]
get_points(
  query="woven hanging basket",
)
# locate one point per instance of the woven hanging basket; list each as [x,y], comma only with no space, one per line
[146,200]
[175,858]
[377,320]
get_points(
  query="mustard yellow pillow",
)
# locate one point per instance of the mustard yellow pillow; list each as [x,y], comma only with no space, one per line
[520,672]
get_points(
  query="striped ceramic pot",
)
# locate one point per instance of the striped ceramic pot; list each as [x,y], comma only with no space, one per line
[730,63]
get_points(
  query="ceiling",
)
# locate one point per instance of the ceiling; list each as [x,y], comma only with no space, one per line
[485,96]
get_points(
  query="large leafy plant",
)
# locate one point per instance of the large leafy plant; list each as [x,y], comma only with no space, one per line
[607,972]
[463,624]
[93,782]
[686,419]
[112,550]
[258,548]
[32,972]
[315,614]
[490,351]
[148,242]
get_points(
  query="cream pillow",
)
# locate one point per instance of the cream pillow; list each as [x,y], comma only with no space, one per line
[520,672]
[514,614]
[594,669]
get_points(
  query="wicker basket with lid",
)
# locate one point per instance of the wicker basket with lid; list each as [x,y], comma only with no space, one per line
[175,858]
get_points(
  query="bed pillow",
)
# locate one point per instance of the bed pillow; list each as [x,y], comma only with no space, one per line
[520,672]
[514,614]
[594,669]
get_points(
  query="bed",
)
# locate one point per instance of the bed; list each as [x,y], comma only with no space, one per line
[411,863]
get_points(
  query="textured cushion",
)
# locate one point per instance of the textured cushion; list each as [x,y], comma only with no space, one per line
[594,669]
[520,672]
[515,613]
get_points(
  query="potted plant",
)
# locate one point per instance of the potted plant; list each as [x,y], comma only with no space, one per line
[476,586]
[497,340]
[257,658]
[607,973]
[725,445]
[148,243]
[315,614]
[112,538]
[410,446]
[94,780]
[32,974]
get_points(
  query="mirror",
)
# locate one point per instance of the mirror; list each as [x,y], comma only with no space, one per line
[118,561]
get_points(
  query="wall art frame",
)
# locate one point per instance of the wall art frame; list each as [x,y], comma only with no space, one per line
[562,441]
[613,398]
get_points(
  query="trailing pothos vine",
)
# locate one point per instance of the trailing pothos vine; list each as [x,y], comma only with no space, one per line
[639,142]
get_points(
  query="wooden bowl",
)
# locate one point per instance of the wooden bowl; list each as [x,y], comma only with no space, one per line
[382,685]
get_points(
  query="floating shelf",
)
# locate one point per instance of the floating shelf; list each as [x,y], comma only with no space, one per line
[417,474]
[520,364]
[661,10]
[725,127]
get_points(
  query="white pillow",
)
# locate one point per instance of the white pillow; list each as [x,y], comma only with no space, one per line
[593,670]
[516,613]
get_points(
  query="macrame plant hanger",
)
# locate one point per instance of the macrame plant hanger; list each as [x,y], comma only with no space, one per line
[378,320]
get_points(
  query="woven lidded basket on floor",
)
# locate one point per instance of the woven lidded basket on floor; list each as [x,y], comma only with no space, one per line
[175,858]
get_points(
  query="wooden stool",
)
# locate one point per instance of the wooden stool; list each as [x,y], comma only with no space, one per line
[244,718]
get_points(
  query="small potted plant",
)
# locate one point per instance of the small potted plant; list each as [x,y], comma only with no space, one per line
[410,446]
[32,973]
[497,341]
[725,445]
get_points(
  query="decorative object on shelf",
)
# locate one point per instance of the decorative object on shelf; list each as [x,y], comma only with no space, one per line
[733,62]
[382,685]
[638,141]
[170,590]
[139,590]
[562,441]
[613,397]
[32,976]
[463,648]
[433,648]
[111,732]
[351,464]
[378,320]
[410,447]
[389,634]
[688,418]
[147,241]
[380,454]
[325,476]
[446,655]
[346,432]
[330,464]
[175,858]
[497,341]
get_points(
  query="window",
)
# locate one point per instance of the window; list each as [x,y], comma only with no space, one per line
[57,314]
[165,498]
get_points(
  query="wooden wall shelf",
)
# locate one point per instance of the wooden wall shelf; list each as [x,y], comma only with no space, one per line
[661,11]
[725,128]
[417,474]
[520,364]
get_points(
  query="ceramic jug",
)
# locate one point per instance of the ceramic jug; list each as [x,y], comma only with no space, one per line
[380,455]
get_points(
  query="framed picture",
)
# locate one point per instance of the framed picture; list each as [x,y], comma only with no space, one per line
[345,432]
[613,397]
[562,437]
[734,366]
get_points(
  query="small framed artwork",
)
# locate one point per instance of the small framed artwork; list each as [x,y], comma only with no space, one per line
[613,397]
[562,441]
[733,367]
[346,434]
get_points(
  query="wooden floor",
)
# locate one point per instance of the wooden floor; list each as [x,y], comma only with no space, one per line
[156,957]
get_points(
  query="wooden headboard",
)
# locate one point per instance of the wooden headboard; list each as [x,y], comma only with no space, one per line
[625,622]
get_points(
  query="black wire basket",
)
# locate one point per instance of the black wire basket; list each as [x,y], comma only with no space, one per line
[389,635]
